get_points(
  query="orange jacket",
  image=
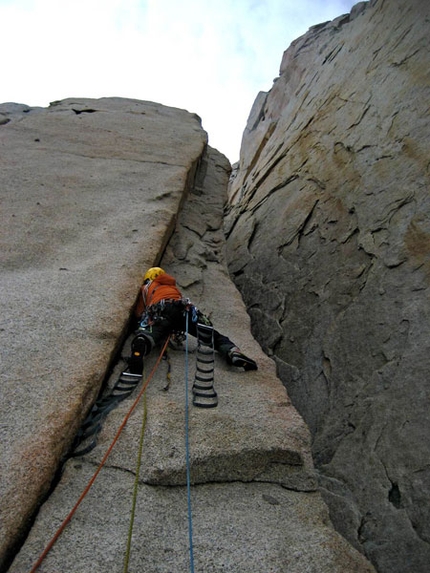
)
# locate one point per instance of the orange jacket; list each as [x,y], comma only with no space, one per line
[162,288]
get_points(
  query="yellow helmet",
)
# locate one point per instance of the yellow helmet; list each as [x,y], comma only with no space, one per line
[152,274]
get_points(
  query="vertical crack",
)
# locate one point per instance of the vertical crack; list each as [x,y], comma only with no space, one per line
[394,496]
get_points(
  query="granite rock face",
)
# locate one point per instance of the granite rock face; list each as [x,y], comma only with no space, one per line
[90,195]
[329,243]
[95,192]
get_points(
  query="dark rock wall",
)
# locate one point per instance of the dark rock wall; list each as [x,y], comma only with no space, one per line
[328,240]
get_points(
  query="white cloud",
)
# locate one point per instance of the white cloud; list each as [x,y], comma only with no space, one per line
[211,58]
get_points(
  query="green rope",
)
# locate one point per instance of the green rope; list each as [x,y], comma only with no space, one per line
[136,484]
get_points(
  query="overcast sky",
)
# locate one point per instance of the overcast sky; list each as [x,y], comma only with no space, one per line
[211,57]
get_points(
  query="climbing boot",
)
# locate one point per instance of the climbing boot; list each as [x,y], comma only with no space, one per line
[236,358]
[135,363]
[141,345]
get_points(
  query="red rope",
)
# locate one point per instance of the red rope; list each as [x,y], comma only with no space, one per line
[102,463]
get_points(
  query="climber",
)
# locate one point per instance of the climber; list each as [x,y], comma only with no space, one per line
[161,310]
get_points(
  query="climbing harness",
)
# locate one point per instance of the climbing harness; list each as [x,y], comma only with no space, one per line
[156,311]
[204,395]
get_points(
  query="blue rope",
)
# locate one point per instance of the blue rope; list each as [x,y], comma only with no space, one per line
[187,451]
